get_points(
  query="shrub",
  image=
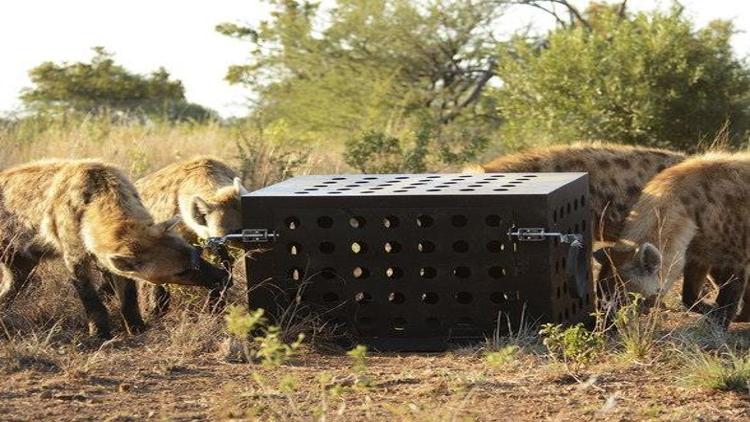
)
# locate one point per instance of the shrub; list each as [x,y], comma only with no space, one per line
[575,346]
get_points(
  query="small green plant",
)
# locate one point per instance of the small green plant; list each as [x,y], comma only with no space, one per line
[268,347]
[726,371]
[272,350]
[575,346]
[635,335]
[359,365]
[501,357]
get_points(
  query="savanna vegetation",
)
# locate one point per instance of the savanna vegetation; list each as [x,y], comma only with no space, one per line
[385,86]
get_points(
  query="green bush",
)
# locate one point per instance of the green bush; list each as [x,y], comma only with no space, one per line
[575,346]
[649,78]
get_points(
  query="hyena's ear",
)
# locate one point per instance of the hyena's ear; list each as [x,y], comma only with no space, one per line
[198,211]
[649,258]
[241,190]
[123,263]
[168,225]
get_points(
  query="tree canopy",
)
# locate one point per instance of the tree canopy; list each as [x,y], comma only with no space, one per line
[641,78]
[102,85]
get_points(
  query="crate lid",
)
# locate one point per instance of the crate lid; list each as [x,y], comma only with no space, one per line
[420,184]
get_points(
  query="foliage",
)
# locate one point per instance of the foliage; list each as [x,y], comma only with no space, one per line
[636,335]
[726,371]
[258,339]
[359,365]
[575,345]
[262,162]
[645,78]
[374,64]
[378,152]
[502,356]
[104,86]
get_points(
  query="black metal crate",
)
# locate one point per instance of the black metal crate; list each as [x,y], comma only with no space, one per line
[417,262]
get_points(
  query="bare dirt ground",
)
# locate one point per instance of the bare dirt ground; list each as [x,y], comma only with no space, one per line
[176,371]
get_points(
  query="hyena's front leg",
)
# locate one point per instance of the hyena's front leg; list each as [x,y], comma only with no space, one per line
[693,287]
[95,311]
[159,299]
[731,289]
[127,294]
[18,269]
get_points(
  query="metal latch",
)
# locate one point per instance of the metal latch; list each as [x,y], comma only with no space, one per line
[247,236]
[538,234]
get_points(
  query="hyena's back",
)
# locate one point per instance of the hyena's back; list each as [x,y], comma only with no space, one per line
[202,176]
[617,173]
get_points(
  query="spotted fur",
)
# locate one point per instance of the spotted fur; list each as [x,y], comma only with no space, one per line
[89,214]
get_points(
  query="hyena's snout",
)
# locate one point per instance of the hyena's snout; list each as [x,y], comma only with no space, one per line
[206,274]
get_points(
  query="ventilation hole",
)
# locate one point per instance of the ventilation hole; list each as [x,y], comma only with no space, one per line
[432,322]
[329,182]
[558,292]
[461,272]
[557,267]
[459,220]
[500,190]
[493,220]
[567,315]
[424,221]
[564,262]
[292,223]
[370,178]
[497,272]
[463,298]
[362,298]
[301,193]
[333,193]
[294,248]
[576,228]
[392,247]
[460,246]
[368,191]
[360,272]
[565,288]
[575,204]
[325,222]
[554,216]
[327,247]
[398,324]
[394,272]
[357,222]
[426,246]
[396,298]
[567,208]
[330,297]
[583,200]
[427,272]
[494,246]
[328,273]
[562,212]
[431,190]
[430,298]
[358,247]
[400,190]
[467,190]
[295,274]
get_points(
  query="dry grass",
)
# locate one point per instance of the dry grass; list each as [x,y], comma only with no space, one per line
[670,365]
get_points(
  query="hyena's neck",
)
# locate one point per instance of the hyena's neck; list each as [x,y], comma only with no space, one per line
[665,224]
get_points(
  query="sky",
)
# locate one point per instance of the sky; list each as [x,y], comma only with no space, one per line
[180,36]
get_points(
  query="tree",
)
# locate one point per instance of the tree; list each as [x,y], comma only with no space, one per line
[375,64]
[645,78]
[103,86]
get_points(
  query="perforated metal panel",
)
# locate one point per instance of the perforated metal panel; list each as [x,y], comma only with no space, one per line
[417,262]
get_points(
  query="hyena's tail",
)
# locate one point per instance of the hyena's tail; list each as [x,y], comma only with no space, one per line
[473,169]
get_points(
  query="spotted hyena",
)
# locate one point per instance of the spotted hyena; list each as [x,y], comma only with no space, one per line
[617,173]
[89,214]
[697,208]
[204,193]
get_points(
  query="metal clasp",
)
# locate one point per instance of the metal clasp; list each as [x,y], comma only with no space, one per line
[538,234]
[246,236]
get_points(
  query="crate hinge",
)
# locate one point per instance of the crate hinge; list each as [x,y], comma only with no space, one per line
[538,234]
